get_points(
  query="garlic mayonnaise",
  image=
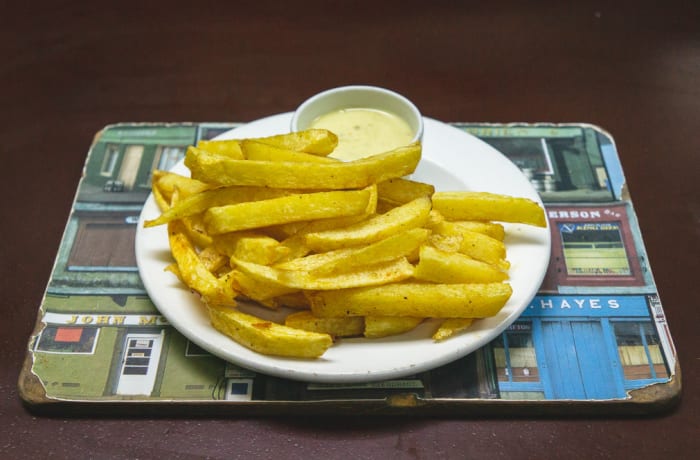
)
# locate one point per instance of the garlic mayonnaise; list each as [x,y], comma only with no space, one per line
[364,132]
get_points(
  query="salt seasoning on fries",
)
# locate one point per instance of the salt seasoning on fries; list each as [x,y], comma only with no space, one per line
[354,247]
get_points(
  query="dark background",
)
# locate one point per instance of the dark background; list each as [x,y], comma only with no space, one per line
[68,68]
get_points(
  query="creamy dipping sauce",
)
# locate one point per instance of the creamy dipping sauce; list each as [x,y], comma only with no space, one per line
[364,132]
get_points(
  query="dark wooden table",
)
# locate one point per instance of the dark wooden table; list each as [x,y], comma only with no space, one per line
[69,68]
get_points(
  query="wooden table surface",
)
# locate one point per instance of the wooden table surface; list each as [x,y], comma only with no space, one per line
[69,68]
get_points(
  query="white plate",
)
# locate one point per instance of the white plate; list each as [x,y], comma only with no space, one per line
[452,160]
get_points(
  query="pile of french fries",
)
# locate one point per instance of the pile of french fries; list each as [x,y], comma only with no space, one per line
[353,247]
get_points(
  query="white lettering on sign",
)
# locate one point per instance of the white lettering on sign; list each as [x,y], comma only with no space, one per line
[574,214]
[576,304]
[105,320]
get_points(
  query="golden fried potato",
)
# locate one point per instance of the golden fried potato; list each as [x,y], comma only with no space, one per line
[420,300]
[281,210]
[380,273]
[315,141]
[450,327]
[453,267]
[228,148]
[384,326]
[217,169]
[267,337]
[259,151]
[486,206]
[410,215]
[194,273]
[348,326]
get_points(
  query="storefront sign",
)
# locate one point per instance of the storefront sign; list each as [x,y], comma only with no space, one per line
[588,306]
[105,320]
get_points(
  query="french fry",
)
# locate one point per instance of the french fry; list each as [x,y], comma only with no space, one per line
[381,273]
[194,272]
[348,326]
[212,259]
[259,151]
[450,327]
[258,289]
[217,169]
[384,326]
[486,206]
[410,215]
[295,300]
[315,141]
[420,300]
[162,203]
[400,191]
[200,202]
[291,208]
[401,244]
[444,267]
[229,148]
[267,337]
[167,182]
[444,227]
[473,244]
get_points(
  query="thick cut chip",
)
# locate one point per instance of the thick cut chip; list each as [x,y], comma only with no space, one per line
[200,202]
[293,300]
[194,273]
[196,232]
[291,208]
[395,270]
[265,152]
[257,289]
[348,326]
[401,244]
[259,249]
[168,182]
[474,244]
[315,141]
[217,169]
[400,191]
[444,267]
[267,337]
[450,327]
[420,300]
[411,215]
[346,259]
[384,326]
[314,261]
[492,229]
[229,148]
[486,206]
[212,259]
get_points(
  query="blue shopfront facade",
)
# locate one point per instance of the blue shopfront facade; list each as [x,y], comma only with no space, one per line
[581,347]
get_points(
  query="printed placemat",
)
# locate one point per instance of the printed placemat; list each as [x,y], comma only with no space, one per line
[593,341]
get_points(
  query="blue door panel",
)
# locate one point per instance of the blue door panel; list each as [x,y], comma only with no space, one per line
[596,367]
[589,374]
[562,362]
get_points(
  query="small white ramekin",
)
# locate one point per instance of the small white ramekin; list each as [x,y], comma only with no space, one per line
[358,96]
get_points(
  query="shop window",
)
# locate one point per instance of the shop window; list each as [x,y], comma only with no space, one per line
[515,356]
[93,235]
[529,154]
[67,339]
[109,161]
[594,249]
[516,363]
[639,347]
[168,156]
[192,349]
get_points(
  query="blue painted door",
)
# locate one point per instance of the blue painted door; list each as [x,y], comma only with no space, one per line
[578,361]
